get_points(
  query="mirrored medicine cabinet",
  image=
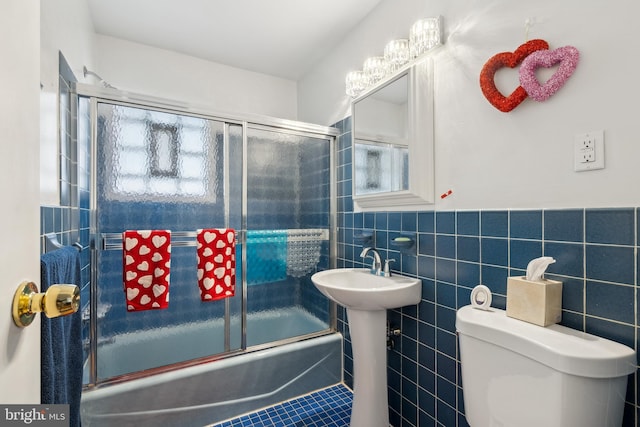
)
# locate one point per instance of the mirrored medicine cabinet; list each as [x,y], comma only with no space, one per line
[393,142]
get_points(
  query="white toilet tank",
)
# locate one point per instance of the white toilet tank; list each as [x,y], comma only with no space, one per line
[515,374]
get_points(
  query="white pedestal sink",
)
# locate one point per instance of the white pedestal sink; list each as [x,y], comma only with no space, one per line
[367,298]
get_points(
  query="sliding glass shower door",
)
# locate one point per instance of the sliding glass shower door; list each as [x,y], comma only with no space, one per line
[288,206]
[161,169]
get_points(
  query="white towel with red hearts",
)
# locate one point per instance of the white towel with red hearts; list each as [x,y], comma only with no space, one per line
[216,252]
[146,268]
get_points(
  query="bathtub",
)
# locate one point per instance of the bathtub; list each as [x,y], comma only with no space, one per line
[152,348]
[204,394]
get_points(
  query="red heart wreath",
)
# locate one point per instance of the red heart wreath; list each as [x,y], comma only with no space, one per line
[511,60]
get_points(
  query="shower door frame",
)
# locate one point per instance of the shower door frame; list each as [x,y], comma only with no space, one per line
[117,97]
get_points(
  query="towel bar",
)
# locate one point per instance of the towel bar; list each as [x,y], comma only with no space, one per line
[178,238]
[51,243]
[110,241]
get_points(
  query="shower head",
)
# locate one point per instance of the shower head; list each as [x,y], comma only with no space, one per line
[102,81]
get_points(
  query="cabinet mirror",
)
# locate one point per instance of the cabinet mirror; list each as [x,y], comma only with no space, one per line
[393,140]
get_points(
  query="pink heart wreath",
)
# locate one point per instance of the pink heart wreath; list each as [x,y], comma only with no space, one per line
[567,56]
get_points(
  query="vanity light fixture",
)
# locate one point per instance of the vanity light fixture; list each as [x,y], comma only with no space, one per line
[375,69]
[396,52]
[425,34]
[355,83]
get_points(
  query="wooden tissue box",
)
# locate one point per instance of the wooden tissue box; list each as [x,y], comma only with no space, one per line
[539,303]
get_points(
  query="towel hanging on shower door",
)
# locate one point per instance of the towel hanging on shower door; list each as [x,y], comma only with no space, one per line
[146,265]
[216,256]
[61,350]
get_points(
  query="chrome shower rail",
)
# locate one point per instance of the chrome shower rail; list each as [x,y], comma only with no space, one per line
[113,241]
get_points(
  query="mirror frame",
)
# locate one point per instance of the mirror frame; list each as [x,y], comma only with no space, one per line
[421,140]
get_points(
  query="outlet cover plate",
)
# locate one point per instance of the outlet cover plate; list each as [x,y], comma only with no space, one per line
[589,151]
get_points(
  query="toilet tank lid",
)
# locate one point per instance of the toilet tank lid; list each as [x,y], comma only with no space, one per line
[563,349]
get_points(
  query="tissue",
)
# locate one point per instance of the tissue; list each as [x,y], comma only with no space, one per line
[537,267]
[533,298]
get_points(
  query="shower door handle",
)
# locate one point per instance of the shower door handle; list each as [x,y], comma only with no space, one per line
[58,300]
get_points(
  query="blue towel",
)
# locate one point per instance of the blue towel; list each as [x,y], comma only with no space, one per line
[61,351]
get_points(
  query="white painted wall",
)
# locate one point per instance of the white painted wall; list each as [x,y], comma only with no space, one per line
[489,159]
[521,159]
[66,26]
[166,74]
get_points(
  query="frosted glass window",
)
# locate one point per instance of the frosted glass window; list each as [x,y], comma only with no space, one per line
[133,133]
[132,162]
[192,165]
[164,151]
[132,184]
[153,154]
[191,140]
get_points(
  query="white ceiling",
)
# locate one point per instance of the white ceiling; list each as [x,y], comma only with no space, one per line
[283,38]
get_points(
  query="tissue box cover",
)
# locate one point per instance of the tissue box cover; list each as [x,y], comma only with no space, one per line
[539,303]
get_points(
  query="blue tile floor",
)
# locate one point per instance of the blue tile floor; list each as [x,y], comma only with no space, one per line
[330,407]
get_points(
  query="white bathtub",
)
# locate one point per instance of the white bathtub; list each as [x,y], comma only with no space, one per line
[204,394]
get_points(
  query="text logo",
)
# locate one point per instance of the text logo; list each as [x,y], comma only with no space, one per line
[34,415]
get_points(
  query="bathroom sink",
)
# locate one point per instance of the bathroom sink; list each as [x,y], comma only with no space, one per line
[367,297]
[358,289]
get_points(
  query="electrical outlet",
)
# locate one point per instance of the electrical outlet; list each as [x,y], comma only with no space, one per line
[589,151]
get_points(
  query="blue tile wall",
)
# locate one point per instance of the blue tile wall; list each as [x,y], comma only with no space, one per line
[598,262]
[68,159]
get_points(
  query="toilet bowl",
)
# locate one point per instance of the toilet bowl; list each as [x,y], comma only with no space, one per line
[516,374]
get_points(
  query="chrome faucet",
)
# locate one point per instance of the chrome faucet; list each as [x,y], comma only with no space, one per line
[376,267]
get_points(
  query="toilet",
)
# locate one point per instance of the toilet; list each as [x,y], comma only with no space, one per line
[516,374]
